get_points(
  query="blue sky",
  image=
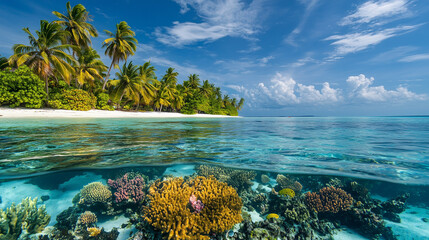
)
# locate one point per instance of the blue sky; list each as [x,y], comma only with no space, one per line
[286,58]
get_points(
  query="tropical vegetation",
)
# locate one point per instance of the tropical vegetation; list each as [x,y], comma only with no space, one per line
[58,68]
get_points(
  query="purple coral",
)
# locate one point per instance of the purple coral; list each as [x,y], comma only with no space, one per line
[128,189]
[196,205]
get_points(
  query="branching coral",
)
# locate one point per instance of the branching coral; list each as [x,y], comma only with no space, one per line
[239,179]
[329,199]
[169,209]
[285,182]
[128,188]
[25,217]
[87,218]
[94,192]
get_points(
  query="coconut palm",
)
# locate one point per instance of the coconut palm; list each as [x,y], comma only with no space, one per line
[207,89]
[88,67]
[3,63]
[148,81]
[128,83]
[170,77]
[193,81]
[240,104]
[46,54]
[119,45]
[75,22]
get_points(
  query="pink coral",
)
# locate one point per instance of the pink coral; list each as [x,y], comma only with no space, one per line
[196,205]
[128,189]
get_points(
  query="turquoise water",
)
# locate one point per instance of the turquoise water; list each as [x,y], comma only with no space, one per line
[393,149]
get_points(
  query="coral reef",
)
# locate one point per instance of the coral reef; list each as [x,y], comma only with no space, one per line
[239,179]
[169,209]
[329,199]
[87,218]
[287,192]
[272,215]
[285,182]
[67,219]
[265,179]
[126,188]
[22,219]
[94,231]
[94,192]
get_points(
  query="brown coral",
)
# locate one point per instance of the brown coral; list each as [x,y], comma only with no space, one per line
[329,199]
[94,192]
[169,209]
[285,182]
[87,218]
[239,179]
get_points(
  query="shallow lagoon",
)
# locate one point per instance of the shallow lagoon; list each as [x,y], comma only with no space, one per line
[387,156]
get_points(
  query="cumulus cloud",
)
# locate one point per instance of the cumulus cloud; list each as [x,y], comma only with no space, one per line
[284,91]
[372,11]
[350,43]
[361,88]
[221,18]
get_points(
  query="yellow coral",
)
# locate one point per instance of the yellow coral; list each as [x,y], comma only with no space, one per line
[272,215]
[169,209]
[93,231]
[94,192]
[87,218]
[287,192]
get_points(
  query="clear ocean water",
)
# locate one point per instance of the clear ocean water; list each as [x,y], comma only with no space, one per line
[383,162]
[386,148]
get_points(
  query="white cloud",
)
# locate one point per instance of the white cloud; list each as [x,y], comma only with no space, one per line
[416,57]
[310,5]
[265,60]
[284,91]
[183,70]
[221,18]
[301,62]
[372,11]
[361,88]
[350,43]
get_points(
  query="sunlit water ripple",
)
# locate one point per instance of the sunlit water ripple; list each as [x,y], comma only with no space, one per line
[389,148]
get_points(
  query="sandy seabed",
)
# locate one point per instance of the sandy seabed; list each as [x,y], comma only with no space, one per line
[55,113]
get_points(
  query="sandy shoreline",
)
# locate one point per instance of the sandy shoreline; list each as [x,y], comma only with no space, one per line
[57,113]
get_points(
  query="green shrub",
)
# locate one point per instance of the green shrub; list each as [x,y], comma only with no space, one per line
[21,88]
[73,99]
[103,102]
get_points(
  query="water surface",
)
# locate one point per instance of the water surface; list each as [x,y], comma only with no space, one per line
[386,148]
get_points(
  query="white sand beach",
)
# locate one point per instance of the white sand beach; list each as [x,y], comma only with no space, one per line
[57,113]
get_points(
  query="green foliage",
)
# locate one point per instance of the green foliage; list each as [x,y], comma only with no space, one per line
[103,102]
[21,88]
[73,99]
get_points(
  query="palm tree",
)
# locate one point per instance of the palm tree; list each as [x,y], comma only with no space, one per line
[148,81]
[75,22]
[193,81]
[240,104]
[207,89]
[129,83]
[3,63]
[45,55]
[88,67]
[170,77]
[120,44]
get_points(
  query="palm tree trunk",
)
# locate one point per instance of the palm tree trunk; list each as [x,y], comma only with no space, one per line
[160,109]
[47,89]
[120,99]
[107,76]
[138,105]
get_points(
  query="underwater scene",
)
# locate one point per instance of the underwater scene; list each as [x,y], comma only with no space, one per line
[229,178]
